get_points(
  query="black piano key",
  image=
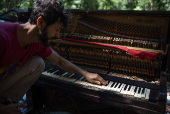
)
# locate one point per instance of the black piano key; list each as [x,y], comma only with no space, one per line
[57,72]
[116,85]
[50,70]
[74,76]
[108,83]
[125,87]
[67,75]
[129,88]
[47,68]
[139,90]
[120,85]
[143,91]
[83,79]
[135,89]
[53,70]
[78,77]
[112,84]
[60,72]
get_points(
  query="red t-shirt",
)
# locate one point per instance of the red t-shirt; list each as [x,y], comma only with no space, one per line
[12,55]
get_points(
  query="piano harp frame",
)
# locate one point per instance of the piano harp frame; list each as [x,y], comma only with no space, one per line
[114,99]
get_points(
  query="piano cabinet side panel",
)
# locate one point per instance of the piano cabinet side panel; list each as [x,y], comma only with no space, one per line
[163,92]
[167,62]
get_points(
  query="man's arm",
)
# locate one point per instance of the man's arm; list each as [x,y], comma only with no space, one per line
[70,67]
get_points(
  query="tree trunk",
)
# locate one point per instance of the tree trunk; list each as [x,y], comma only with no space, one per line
[7,5]
[32,3]
[103,5]
[151,2]
[94,5]
[15,5]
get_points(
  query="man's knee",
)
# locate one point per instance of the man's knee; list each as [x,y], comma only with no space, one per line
[37,64]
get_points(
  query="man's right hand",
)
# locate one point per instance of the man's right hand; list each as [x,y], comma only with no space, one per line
[11,109]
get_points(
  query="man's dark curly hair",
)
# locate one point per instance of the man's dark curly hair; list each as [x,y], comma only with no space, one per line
[51,11]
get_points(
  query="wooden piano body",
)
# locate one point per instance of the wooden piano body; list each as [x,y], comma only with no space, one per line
[127,47]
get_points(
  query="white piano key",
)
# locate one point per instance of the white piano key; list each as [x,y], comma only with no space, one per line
[81,82]
[126,90]
[136,93]
[122,86]
[132,90]
[61,76]
[122,91]
[68,79]
[115,89]
[143,94]
[147,94]
[46,73]
[49,74]
[140,93]
[129,90]
[108,87]
[52,75]
[84,82]
[103,86]
[92,85]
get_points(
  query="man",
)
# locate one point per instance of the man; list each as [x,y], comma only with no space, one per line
[22,47]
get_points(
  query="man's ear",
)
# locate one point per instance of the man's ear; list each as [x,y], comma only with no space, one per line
[40,23]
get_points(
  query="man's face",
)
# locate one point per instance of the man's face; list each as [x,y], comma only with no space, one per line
[50,32]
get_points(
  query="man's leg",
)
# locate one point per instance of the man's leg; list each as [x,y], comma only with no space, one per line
[17,84]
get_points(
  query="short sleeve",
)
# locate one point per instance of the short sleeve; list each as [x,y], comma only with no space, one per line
[44,51]
[2,45]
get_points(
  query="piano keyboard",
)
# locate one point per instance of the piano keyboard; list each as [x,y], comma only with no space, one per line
[112,86]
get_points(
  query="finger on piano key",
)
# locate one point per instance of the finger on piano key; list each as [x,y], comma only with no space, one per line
[92,85]
[109,85]
[103,87]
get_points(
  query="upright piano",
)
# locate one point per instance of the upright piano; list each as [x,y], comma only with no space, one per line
[129,49]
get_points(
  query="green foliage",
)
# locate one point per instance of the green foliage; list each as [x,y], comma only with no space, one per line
[96,4]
